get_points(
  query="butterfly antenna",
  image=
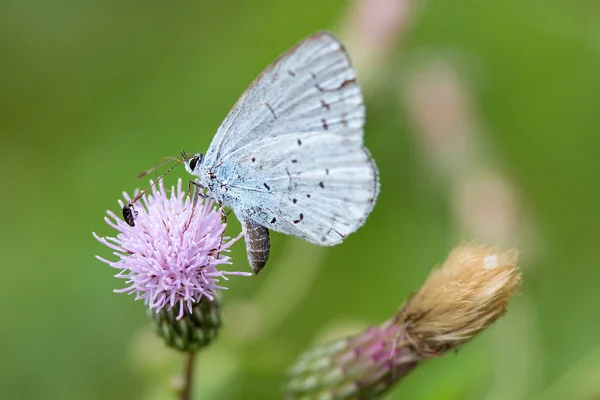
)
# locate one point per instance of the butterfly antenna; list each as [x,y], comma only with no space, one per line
[160,163]
[128,211]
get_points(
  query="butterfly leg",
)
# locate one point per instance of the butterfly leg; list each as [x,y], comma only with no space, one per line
[257,244]
[224,215]
[199,187]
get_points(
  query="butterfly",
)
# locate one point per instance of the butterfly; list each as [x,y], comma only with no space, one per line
[289,156]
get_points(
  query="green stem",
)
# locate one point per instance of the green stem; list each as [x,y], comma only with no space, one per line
[186,392]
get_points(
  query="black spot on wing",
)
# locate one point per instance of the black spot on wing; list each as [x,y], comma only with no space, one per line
[300,218]
[347,82]
[322,185]
[267,186]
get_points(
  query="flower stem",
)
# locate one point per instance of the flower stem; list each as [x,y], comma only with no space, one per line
[186,392]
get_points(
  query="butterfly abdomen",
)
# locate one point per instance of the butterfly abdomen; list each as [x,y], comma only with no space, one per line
[257,244]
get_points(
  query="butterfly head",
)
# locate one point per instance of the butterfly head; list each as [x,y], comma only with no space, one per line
[192,163]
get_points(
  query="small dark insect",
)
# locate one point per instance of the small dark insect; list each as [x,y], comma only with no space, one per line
[129,214]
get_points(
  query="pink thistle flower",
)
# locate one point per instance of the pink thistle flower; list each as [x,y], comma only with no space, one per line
[172,254]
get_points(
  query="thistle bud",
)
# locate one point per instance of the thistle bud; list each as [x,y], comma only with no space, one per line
[193,331]
[458,300]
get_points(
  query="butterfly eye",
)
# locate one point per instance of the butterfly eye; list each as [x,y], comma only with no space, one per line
[194,162]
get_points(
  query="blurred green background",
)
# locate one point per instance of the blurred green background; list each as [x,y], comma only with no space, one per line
[94,92]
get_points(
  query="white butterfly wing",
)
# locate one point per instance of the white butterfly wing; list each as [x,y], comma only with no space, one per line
[312,87]
[289,156]
[317,186]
